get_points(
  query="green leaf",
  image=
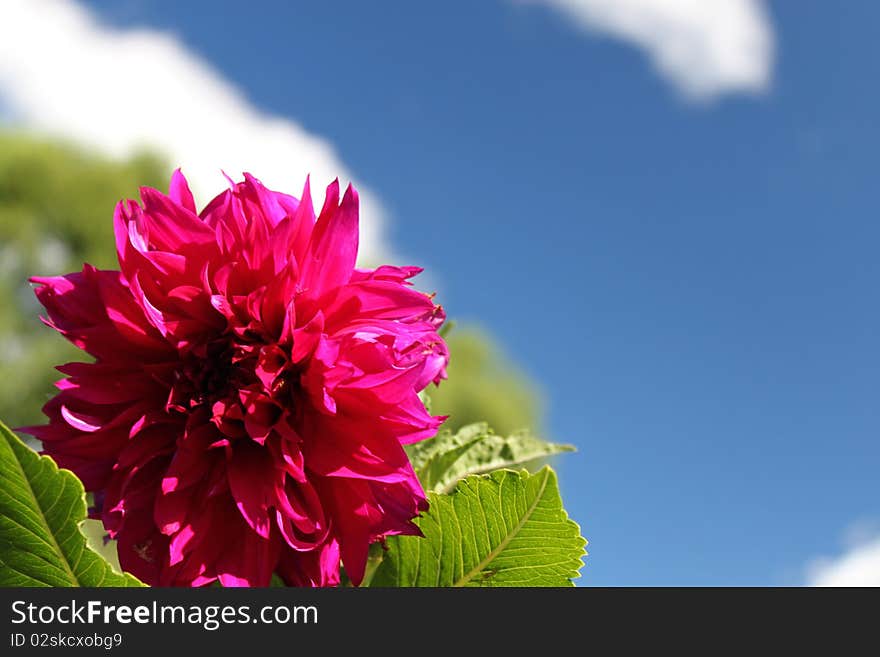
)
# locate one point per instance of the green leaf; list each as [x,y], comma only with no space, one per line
[442,461]
[502,529]
[41,508]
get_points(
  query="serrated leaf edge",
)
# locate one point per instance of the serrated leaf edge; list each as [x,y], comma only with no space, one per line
[14,441]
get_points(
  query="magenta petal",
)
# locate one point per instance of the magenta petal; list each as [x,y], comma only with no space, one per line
[319,567]
[250,561]
[179,191]
[251,472]
[169,225]
[303,224]
[306,338]
[334,244]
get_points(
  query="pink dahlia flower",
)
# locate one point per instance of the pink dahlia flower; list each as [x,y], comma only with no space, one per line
[251,390]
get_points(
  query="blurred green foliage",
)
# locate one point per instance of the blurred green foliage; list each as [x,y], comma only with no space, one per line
[56,210]
[484,386]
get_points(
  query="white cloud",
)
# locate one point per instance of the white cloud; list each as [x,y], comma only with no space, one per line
[705,47]
[65,73]
[859,565]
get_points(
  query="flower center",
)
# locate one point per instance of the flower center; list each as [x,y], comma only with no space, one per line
[207,374]
[210,376]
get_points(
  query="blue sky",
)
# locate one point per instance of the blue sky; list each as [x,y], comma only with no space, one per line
[692,283]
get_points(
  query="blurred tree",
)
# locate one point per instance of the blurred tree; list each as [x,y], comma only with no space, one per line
[56,209]
[484,385]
